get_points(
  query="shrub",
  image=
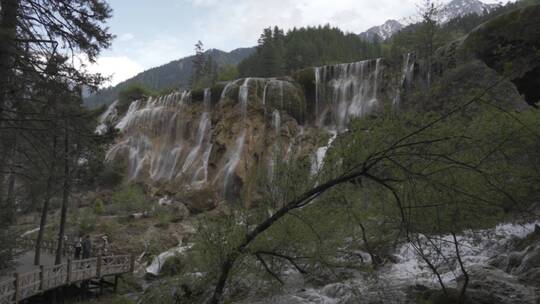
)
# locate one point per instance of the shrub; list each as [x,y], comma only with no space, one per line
[87,221]
[173,266]
[129,198]
[99,206]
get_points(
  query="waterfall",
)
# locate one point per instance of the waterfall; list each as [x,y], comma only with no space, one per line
[203,133]
[243,94]
[317,86]
[234,155]
[152,132]
[346,90]
[276,121]
[197,180]
[281,93]
[108,116]
[407,74]
[318,159]
[204,126]
[264,94]
[159,261]
[232,162]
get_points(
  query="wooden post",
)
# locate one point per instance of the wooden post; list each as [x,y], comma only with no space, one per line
[132,263]
[98,267]
[17,296]
[41,274]
[68,275]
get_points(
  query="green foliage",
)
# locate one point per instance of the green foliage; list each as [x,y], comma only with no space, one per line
[110,175]
[174,265]
[129,198]
[131,93]
[121,300]
[99,206]
[228,73]
[215,239]
[87,221]
[163,215]
[188,289]
[279,54]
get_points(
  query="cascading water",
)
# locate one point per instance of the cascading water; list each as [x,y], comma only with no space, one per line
[158,142]
[406,79]
[176,139]
[317,161]
[390,283]
[203,135]
[106,118]
[234,155]
[346,91]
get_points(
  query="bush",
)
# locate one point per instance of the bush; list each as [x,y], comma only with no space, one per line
[99,206]
[173,266]
[121,300]
[111,174]
[87,221]
[129,198]
[163,216]
[133,92]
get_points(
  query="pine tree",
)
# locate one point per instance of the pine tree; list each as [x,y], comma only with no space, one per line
[38,37]
[199,62]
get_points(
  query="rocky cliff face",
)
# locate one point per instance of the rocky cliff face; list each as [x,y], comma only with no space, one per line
[212,141]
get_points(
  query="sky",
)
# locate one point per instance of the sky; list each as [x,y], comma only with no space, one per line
[150,33]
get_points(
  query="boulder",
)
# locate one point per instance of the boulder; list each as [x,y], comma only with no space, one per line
[509,44]
[494,286]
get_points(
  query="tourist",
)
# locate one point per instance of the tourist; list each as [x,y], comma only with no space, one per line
[78,247]
[105,246]
[86,247]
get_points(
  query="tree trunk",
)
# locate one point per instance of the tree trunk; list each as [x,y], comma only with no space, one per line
[45,209]
[8,30]
[65,197]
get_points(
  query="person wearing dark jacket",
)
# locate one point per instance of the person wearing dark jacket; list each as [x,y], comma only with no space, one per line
[86,247]
[78,247]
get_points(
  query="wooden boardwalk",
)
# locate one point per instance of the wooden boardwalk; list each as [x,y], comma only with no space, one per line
[21,286]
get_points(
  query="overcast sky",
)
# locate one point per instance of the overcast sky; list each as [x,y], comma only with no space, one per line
[153,32]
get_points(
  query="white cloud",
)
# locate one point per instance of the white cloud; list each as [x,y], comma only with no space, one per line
[126,37]
[229,24]
[119,68]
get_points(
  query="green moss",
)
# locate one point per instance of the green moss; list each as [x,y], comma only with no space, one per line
[216,91]
[197,95]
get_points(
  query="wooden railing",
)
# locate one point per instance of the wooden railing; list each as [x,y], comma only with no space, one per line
[25,285]
[46,246]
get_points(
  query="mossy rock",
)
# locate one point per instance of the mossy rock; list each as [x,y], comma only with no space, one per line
[306,79]
[292,101]
[174,265]
[465,82]
[510,44]
[181,289]
[197,95]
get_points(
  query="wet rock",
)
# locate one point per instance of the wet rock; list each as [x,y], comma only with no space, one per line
[494,286]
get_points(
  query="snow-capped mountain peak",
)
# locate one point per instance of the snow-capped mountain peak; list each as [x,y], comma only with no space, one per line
[384,31]
[458,8]
[453,9]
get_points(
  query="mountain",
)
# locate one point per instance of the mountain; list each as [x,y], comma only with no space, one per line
[385,31]
[459,8]
[173,74]
[454,9]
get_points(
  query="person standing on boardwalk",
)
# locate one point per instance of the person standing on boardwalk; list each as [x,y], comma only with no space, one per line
[78,247]
[86,247]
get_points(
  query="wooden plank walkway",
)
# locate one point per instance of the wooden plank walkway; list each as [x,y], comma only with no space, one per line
[24,285]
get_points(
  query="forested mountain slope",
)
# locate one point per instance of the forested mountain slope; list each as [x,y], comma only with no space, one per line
[175,74]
